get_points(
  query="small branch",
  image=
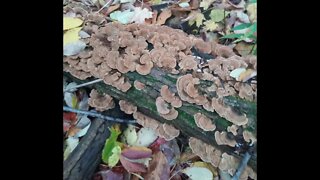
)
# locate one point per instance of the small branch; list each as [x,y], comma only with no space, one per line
[95,114]
[104,6]
[242,166]
[82,85]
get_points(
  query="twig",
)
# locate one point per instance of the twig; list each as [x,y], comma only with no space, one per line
[104,6]
[241,166]
[95,114]
[82,85]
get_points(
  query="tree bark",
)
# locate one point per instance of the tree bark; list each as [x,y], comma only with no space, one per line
[145,101]
[85,158]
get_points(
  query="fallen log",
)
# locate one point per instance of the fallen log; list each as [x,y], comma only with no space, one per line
[85,158]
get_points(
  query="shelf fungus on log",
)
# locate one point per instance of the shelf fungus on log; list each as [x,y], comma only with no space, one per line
[100,102]
[204,122]
[171,83]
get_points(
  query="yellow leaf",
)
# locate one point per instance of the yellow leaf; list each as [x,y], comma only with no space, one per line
[252,12]
[206,3]
[246,75]
[71,35]
[196,17]
[206,165]
[69,23]
[210,25]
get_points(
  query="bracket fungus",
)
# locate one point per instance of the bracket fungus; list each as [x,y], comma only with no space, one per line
[170,97]
[187,91]
[127,107]
[205,151]
[164,111]
[100,102]
[138,85]
[204,122]
[222,139]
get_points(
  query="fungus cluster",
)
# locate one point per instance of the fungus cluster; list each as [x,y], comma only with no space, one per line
[204,122]
[223,161]
[205,151]
[166,131]
[100,102]
[127,107]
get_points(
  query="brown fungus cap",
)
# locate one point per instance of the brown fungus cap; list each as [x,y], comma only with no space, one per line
[162,106]
[228,163]
[204,122]
[146,121]
[164,111]
[249,137]
[170,132]
[100,102]
[127,107]
[205,151]
[138,85]
[170,97]
[227,112]
[233,129]
[187,91]
[222,139]
[145,65]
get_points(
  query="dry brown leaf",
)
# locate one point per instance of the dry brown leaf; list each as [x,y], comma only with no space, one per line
[244,48]
[163,16]
[159,168]
[112,8]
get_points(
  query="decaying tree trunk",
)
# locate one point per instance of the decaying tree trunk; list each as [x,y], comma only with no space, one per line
[83,161]
[145,101]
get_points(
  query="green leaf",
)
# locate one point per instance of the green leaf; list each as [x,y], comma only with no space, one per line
[252,1]
[217,15]
[232,36]
[241,26]
[114,158]
[111,142]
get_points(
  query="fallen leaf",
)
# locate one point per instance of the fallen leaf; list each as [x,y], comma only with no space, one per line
[146,136]
[74,48]
[66,126]
[163,16]
[159,169]
[140,15]
[210,25]
[132,166]
[217,15]
[114,158]
[130,135]
[111,142]
[244,48]
[71,143]
[206,3]
[84,125]
[111,175]
[195,17]
[70,22]
[236,72]
[196,173]
[70,99]
[111,9]
[154,17]
[70,116]
[73,131]
[123,17]
[136,152]
[248,74]
[206,165]
[71,36]
[184,4]
[171,151]
[252,12]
